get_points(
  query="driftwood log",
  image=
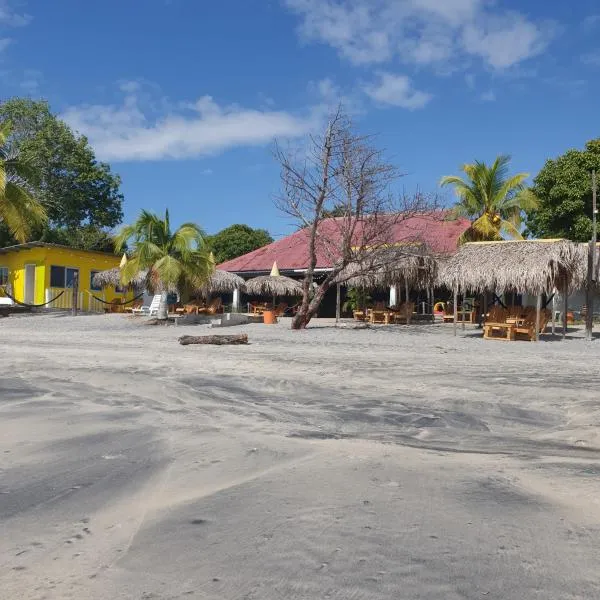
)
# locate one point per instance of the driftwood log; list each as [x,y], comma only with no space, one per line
[219,340]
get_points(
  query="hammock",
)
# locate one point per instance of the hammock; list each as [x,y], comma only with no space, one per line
[113,303]
[31,305]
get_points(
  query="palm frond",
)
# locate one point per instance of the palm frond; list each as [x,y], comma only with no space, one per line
[510,230]
[20,211]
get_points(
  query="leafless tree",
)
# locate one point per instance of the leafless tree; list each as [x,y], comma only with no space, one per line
[342,173]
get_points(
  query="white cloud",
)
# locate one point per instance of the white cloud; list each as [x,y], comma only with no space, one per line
[504,41]
[421,32]
[10,17]
[129,86]
[397,90]
[206,172]
[489,96]
[126,132]
[4,43]
[591,22]
[592,58]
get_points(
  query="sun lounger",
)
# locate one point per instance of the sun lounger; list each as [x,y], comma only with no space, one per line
[150,310]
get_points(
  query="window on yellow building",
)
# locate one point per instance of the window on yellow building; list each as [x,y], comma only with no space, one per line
[3,275]
[61,277]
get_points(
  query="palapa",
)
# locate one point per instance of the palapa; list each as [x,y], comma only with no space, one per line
[267,285]
[273,285]
[527,266]
[223,282]
[413,265]
[112,277]
[220,282]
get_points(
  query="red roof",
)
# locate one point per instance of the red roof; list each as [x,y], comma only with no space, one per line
[291,252]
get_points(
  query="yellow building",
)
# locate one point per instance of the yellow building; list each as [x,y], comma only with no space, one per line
[38,272]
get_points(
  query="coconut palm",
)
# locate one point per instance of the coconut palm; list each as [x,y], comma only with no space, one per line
[174,260]
[19,210]
[493,200]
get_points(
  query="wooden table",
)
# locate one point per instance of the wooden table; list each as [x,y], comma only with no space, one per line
[377,316]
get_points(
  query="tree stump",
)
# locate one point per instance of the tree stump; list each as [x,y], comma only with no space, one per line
[218,340]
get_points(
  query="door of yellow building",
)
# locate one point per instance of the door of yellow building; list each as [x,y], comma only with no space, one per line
[30,284]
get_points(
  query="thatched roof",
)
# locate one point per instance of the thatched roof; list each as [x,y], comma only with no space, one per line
[223,282]
[269,285]
[526,266]
[112,277]
[412,264]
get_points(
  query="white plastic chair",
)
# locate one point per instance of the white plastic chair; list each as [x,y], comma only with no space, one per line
[149,310]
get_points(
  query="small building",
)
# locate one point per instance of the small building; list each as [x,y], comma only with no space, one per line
[39,273]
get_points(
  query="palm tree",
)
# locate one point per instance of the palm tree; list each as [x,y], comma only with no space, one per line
[493,200]
[175,260]
[19,210]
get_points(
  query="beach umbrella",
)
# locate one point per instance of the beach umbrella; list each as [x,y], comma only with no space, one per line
[113,277]
[222,282]
[274,285]
[123,261]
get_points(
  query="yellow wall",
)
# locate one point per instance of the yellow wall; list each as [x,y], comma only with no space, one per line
[45,257]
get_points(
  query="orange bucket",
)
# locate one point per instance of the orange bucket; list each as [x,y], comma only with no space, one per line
[269,317]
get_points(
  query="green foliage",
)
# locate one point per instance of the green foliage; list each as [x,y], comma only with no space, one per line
[356,299]
[493,200]
[176,260]
[236,240]
[20,212]
[65,176]
[564,189]
[85,237]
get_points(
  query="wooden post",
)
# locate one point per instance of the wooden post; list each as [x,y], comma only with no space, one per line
[485,305]
[554,312]
[75,293]
[338,299]
[463,312]
[431,303]
[538,311]
[565,307]
[408,312]
[455,309]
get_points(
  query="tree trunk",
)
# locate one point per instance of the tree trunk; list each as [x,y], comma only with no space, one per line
[218,340]
[307,312]
[163,308]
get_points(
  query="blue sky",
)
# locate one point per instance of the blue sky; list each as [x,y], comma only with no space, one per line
[184,97]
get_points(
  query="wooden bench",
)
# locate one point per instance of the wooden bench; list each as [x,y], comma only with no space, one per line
[506,329]
[527,326]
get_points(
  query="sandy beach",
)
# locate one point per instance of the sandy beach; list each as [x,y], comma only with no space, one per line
[392,462]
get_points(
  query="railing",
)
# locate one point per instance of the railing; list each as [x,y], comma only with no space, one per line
[64,302]
[94,305]
[85,301]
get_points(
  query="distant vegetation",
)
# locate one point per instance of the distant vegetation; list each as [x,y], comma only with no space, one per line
[236,240]
[564,189]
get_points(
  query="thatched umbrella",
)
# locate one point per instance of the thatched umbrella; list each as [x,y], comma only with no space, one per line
[535,267]
[410,264]
[273,285]
[222,282]
[415,267]
[112,277]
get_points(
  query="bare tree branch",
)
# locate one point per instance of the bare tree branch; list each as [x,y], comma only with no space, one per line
[345,175]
